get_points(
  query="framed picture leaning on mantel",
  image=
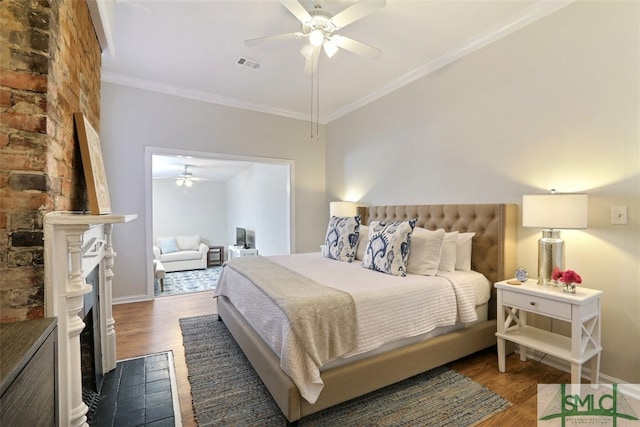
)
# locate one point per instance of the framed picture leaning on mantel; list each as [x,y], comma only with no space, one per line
[94,175]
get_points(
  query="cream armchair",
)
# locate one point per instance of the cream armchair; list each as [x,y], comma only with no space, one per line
[179,253]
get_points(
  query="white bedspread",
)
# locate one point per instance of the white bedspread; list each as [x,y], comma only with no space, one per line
[388,308]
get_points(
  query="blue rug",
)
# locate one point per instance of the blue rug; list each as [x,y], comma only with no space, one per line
[182,282]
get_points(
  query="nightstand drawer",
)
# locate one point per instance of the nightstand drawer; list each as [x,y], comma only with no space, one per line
[558,309]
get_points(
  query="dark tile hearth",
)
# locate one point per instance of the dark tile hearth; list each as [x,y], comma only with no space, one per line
[137,393]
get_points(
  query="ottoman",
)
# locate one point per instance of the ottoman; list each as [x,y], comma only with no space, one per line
[159,273]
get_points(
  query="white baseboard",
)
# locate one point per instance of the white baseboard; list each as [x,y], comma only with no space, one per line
[127,300]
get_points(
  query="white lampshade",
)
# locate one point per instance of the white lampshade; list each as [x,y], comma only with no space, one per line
[554,211]
[342,209]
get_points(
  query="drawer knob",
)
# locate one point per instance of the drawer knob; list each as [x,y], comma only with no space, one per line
[532,303]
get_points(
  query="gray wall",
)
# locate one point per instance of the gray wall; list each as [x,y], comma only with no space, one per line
[200,209]
[554,105]
[258,201]
[132,119]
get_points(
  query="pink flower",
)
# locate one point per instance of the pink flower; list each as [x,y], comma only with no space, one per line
[567,276]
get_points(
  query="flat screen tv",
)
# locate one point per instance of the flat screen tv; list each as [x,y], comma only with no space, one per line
[241,237]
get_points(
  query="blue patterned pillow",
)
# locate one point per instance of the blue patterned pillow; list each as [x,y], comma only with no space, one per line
[168,245]
[388,248]
[342,238]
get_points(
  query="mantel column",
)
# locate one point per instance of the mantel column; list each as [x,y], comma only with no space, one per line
[106,290]
[71,302]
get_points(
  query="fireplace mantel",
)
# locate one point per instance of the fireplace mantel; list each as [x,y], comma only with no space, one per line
[74,244]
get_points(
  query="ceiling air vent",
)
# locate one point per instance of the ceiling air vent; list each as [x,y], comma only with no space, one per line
[249,63]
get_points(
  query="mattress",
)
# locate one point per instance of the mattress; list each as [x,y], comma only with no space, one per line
[391,310]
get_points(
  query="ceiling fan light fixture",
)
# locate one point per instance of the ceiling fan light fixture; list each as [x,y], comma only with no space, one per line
[180,181]
[330,47]
[306,51]
[316,37]
[188,183]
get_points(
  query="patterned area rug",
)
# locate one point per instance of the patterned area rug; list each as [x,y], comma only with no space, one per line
[182,282]
[226,391]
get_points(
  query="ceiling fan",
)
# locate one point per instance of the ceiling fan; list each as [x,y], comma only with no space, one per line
[320,27]
[187,179]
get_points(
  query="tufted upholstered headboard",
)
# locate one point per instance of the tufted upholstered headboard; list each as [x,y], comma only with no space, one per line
[493,246]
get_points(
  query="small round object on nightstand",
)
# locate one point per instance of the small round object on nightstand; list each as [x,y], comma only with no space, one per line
[522,275]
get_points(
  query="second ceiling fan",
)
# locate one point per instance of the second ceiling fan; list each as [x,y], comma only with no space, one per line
[187,179]
[320,27]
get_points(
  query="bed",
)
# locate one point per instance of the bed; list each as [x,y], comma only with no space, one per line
[492,255]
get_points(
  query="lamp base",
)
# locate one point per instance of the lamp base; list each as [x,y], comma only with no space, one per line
[550,256]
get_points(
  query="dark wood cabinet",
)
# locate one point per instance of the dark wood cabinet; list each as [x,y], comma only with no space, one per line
[215,255]
[29,373]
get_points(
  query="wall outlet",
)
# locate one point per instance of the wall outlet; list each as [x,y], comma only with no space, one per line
[619,215]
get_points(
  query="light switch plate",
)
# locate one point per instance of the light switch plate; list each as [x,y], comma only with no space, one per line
[619,215]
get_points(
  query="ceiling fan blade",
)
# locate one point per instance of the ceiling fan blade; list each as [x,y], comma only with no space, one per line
[357,11]
[297,10]
[356,47]
[286,36]
[312,56]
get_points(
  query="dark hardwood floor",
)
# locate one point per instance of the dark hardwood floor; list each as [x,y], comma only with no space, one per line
[151,327]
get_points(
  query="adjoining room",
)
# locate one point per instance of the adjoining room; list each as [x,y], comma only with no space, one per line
[200,200]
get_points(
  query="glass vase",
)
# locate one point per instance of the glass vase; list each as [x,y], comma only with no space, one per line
[569,288]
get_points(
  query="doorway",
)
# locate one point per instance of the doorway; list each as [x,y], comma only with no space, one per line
[210,194]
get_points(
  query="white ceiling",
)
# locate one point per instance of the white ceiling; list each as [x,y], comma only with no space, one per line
[190,48]
[170,167]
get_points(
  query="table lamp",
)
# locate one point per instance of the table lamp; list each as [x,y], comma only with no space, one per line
[553,212]
[342,209]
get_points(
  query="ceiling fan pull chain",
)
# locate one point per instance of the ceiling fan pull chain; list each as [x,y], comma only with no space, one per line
[318,100]
[311,109]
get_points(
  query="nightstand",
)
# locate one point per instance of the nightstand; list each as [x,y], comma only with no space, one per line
[237,251]
[581,309]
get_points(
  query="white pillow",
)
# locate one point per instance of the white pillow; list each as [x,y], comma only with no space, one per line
[448,254]
[341,238]
[463,251]
[188,243]
[424,254]
[388,247]
[363,240]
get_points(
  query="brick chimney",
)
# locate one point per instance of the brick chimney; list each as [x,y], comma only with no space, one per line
[49,68]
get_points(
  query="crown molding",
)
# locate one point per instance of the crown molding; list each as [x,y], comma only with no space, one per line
[527,16]
[198,95]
